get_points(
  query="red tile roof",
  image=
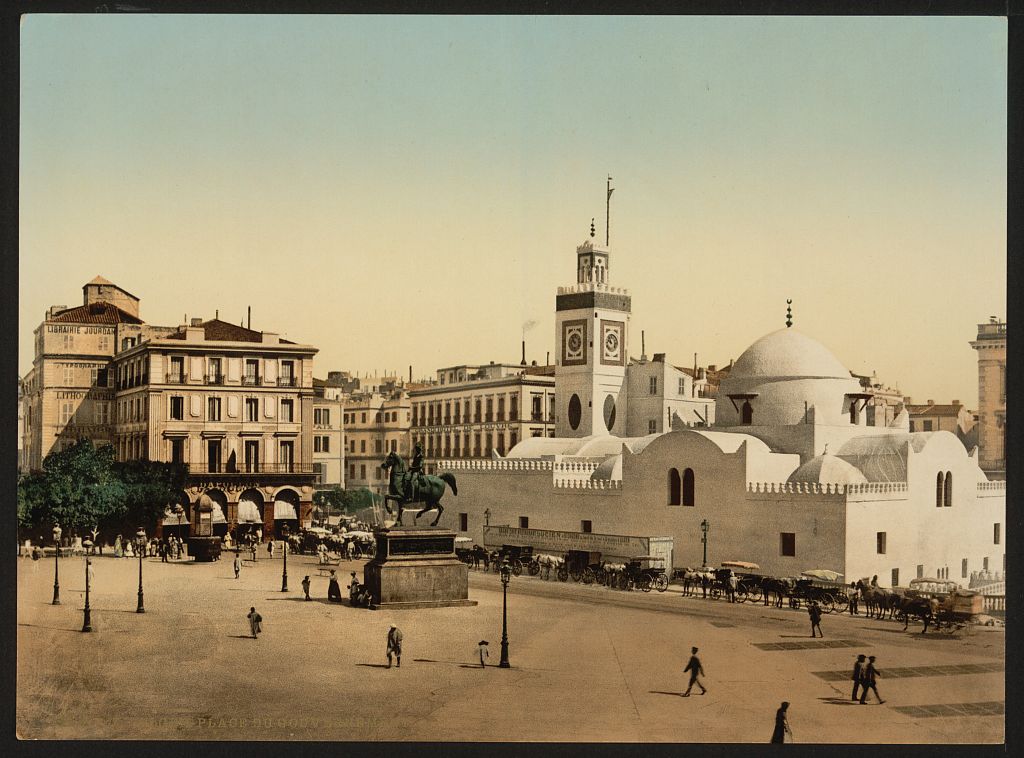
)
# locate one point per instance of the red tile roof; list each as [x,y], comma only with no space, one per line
[96,313]
[216,330]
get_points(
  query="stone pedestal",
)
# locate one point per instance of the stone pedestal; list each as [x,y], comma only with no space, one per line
[416,567]
[204,548]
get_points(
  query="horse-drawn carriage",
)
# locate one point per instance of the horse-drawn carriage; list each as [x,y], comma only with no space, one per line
[823,587]
[645,573]
[519,557]
[464,550]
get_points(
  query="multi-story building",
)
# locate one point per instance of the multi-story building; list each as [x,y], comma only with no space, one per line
[375,424]
[477,411]
[663,397]
[234,404]
[69,391]
[328,434]
[944,417]
[991,347]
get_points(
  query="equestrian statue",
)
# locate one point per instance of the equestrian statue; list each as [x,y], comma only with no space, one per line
[413,486]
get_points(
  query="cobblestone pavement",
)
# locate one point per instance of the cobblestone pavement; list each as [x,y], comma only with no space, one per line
[589,664]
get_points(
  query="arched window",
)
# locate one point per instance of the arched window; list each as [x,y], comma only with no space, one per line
[674,487]
[688,487]
[747,413]
[940,482]
[947,499]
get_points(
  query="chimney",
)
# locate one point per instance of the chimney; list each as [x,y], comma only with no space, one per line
[547,358]
[695,364]
[643,345]
[931,402]
[712,367]
[956,402]
[410,374]
[659,357]
[523,362]
[196,321]
[249,309]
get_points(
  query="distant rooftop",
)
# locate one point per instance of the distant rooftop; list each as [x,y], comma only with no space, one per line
[96,313]
[216,330]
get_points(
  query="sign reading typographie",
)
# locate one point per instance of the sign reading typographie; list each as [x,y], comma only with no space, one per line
[609,545]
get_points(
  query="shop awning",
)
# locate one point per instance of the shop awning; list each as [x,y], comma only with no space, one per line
[285,510]
[249,512]
[218,514]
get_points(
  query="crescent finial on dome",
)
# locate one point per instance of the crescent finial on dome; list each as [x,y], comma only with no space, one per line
[789,314]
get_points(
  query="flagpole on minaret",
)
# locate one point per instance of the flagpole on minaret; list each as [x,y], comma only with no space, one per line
[608,213]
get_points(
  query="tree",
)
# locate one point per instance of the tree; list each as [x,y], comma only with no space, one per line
[150,487]
[77,489]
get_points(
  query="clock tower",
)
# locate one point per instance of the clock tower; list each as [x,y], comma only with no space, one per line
[591,335]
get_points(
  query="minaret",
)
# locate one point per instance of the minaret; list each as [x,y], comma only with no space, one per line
[591,335]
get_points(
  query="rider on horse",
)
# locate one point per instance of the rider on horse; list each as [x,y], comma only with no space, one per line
[415,473]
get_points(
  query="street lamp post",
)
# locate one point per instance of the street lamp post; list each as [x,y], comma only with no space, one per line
[140,541]
[506,575]
[56,562]
[87,619]
[284,570]
[487,516]
[704,526]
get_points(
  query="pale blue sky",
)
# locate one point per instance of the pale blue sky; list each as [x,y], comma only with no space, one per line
[402,190]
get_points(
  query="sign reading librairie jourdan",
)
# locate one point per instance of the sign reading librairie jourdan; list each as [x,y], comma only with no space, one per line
[609,545]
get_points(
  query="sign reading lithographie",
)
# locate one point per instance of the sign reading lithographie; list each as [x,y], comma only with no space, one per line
[574,343]
[613,352]
[609,545]
[420,546]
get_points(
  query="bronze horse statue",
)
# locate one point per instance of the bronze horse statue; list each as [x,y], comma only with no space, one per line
[429,489]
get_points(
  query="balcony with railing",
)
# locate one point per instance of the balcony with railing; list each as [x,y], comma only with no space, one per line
[252,468]
[286,381]
[215,378]
[250,380]
[175,377]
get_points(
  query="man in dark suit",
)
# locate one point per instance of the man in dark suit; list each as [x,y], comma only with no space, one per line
[870,675]
[695,670]
[395,645]
[858,675]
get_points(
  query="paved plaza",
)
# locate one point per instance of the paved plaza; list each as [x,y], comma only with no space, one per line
[588,664]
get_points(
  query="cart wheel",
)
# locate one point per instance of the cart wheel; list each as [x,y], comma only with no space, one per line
[661,583]
[645,583]
[517,567]
[754,594]
[827,604]
[533,568]
[563,574]
[842,603]
[588,576]
[577,575]
[715,593]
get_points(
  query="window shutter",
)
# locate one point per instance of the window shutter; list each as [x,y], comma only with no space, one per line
[233,406]
[234,369]
[196,367]
[195,405]
[268,406]
[270,369]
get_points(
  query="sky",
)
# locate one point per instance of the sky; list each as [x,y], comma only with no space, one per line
[411,190]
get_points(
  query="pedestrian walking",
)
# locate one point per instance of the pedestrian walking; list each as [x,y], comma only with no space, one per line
[118,550]
[395,646]
[869,683]
[696,670]
[333,588]
[255,622]
[270,548]
[305,587]
[781,725]
[858,675]
[854,599]
[484,653]
[814,611]
[733,585]
[252,548]
[704,585]
[237,565]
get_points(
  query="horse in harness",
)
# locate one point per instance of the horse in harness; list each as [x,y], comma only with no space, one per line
[429,489]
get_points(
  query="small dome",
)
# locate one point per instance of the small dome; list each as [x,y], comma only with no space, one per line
[788,353]
[827,469]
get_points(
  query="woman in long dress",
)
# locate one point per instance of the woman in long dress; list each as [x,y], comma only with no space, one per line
[781,726]
[118,547]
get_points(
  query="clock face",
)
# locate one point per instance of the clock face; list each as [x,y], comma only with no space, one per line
[575,342]
[611,342]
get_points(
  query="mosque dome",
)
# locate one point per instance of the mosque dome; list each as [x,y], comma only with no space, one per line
[788,354]
[827,469]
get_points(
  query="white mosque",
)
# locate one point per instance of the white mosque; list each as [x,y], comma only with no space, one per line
[791,475]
